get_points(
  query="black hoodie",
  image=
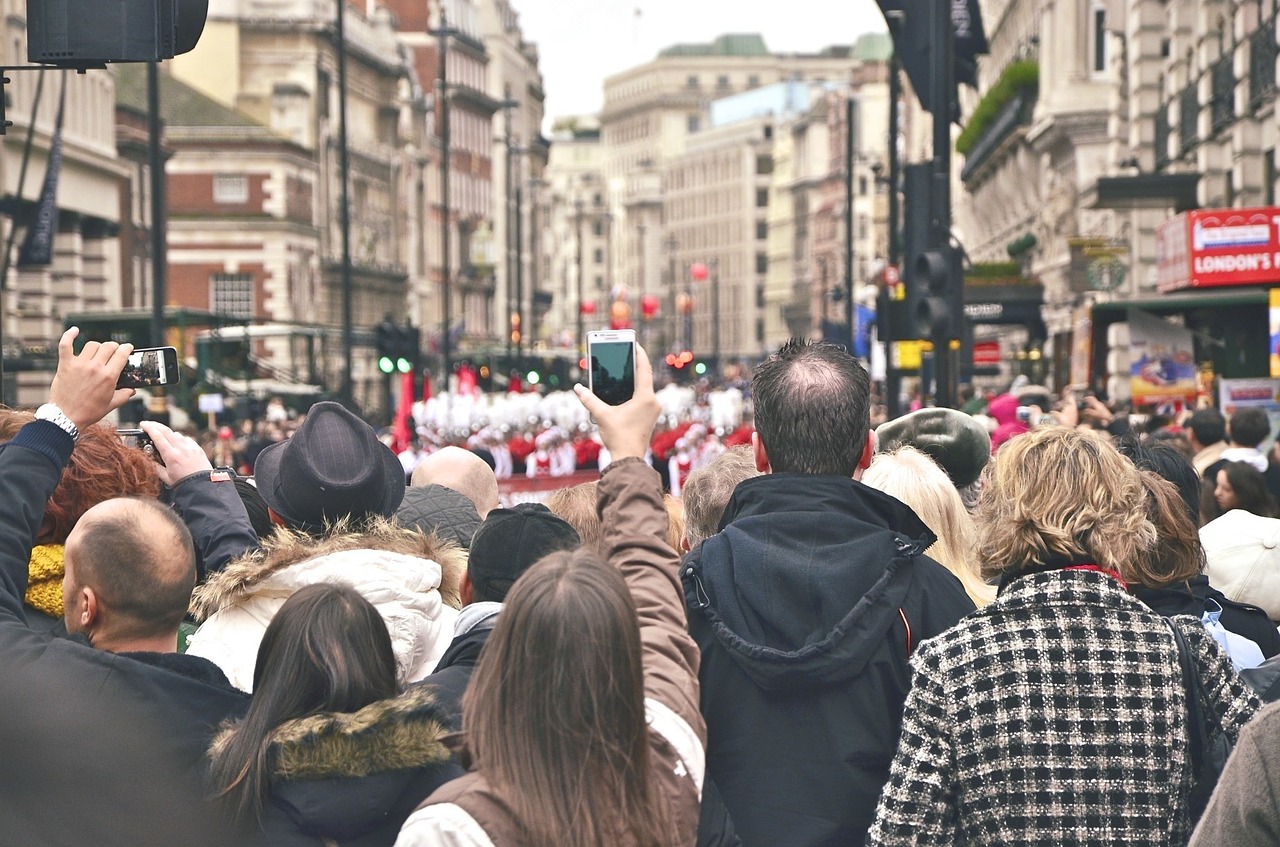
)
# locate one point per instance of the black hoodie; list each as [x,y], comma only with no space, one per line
[806,606]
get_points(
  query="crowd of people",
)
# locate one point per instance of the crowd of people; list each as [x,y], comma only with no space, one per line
[1035,621]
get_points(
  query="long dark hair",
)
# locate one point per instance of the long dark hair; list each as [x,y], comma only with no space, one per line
[326,650]
[1250,488]
[555,713]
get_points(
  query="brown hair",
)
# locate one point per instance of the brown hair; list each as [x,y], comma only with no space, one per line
[101,468]
[1178,556]
[555,712]
[576,506]
[1061,493]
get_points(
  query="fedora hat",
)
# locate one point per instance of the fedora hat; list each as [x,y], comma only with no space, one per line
[333,467]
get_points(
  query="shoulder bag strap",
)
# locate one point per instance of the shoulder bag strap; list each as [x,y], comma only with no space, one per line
[1191,686]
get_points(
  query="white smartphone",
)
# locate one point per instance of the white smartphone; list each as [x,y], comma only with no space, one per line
[612,371]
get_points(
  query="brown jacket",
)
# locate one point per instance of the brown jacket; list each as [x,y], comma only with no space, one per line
[1245,808]
[469,812]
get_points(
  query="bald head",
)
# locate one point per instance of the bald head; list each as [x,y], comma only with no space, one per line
[135,559]
[464,472]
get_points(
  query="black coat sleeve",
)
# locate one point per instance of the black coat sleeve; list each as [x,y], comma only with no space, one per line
[212,509]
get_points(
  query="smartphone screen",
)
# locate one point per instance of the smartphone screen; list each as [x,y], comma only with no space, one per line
[150,366]
[613,366]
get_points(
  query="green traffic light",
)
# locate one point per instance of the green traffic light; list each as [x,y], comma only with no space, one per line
[700,368]
[386,365]
[534,379]
[404,365]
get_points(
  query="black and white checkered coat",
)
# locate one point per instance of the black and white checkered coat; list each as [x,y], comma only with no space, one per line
[1054,716]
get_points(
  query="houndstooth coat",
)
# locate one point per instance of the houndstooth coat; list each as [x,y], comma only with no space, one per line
[1054,716]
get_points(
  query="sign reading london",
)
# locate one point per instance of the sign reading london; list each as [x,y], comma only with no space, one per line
[1211,248]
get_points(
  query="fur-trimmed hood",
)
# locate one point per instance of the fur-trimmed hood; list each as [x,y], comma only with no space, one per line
[340,775]
[399,571]
[289,547]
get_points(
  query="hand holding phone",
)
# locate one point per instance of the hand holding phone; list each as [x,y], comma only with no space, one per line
[612,369]
[626,429]
[150,366]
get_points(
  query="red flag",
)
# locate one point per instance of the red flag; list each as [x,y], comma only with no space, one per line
[403,430]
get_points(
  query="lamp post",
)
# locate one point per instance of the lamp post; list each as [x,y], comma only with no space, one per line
[535,259]
[671,245]
[344,212]
[577,205]
[443,32]
[507,105]
[715,316]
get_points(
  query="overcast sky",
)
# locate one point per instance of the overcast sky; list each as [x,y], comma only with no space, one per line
[583,41]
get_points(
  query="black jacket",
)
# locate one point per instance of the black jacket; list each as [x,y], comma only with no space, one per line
[98,748]
[1189,599]
[210,506]
[448,682]
[353,778]
[806,606]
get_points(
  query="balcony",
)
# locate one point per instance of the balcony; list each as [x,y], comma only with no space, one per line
[1262,65]
[1162,134]
[1222,107]
[1188,118]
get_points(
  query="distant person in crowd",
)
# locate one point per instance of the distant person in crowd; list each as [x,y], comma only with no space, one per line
[330,750]
[916,480]
[708,491]
[1238,485]
[103,732]
[1242,552]
[1013,734]
[806,606]
[576,506]
[506,545]
[1248,428]
[334,484]
[1004,411]
[464,472]
[582,716]
[1192,595]
[1245,807]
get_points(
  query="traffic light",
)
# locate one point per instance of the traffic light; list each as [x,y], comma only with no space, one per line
[408,339]
[75,33]
[939,277]
[386,344]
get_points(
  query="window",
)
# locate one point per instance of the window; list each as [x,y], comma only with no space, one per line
[722,81]
[762,230]
[862,186]
[764,165]
[762,263]
[753,81]
[230,188]
[598,256]
[759,296]
[232,295]
[691,81]
[1098,61]
[597,228]
[762,197]
[692,123]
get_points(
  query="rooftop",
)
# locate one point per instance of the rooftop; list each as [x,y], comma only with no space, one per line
[180,104]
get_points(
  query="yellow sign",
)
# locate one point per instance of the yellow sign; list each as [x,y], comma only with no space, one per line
[908,355]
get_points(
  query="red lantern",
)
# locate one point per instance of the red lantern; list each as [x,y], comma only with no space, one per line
[649,305]
[588,307]
[698,271]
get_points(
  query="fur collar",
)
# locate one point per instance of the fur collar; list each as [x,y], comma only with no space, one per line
[395,734]
[289,547]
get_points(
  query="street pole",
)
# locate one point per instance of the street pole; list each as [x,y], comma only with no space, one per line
[535,258]
[507,106]
[850,152]
[344,212]
[942,69]
[642,288]
[671,341]
[577,204]
[519,304]
[715,318]
[159,232]
[442,77]
[892,379]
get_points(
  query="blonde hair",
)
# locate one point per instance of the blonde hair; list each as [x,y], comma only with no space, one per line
[576,506]
[1058,493]
[708,490]
[915,479]
[675,523]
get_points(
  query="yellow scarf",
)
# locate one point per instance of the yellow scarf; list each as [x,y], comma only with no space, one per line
[44,580]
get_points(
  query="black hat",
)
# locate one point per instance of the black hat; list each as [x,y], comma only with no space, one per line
[333,467]
[956,441]
[434,508]
[509,541]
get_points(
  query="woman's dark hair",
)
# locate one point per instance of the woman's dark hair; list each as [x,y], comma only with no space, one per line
[1166,462]
[326,650]
[555,713]
[1250,488]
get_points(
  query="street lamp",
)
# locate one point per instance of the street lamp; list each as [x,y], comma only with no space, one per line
[443,32]
[535,259]
[577,205]
[507,105]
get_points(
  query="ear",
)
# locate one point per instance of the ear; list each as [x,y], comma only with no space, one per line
[868,451]
[685,546]
[761,455]
[90,611]
[466,594]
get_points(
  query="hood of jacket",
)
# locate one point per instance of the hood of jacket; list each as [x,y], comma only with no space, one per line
[1183,598]
[336,775]
[1004,409]
[244,576]
[805,577]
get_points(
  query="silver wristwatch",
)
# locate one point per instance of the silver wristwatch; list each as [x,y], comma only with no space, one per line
[54,415]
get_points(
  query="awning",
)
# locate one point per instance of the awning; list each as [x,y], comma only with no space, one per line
[1144,191]
[1173,304]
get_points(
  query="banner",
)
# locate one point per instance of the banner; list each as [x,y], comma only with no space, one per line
[1081,346]
[1236,394]
[37,245]
[1209,248]
[1163,364]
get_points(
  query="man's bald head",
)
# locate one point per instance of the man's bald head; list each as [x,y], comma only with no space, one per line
[136,557]
[464,472]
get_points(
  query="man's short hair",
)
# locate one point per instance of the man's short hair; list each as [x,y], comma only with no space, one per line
[142,568]
[812,402]
[707,492]
[1249,426]
[1208,426]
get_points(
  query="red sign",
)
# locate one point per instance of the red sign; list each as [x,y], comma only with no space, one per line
[1216,247]
[986,353]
